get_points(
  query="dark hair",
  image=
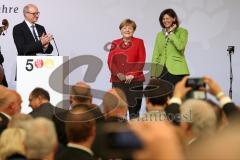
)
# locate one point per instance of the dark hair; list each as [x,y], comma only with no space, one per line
[80,122]
[171,13]
[40,92]
[158,91]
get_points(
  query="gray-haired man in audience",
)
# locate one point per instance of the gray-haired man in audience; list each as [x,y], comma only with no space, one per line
[41,141]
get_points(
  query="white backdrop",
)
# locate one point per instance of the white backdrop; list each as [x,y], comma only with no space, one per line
[83,27]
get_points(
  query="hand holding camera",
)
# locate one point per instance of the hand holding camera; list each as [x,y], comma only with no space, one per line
[190,88]
[213,87]
[181,89]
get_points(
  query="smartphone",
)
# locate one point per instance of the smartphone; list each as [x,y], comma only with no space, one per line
[196,84]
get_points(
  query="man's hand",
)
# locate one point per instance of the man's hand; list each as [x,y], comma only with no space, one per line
[213,87]
[121,77]
[129,78]
[45,39]
[181,89]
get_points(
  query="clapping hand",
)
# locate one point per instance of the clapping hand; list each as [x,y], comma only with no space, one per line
[45,39]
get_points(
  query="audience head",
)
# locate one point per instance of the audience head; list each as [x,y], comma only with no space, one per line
[98,115]
[41,139]
[10,101]
[38,97]
[201,119]
[31,13]
[12,142]
[115,103]
[80,125]
[224,145]
[80,93]
[157,94]
[18,120]
[221,118]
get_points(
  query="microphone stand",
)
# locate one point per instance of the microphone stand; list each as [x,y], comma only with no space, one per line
[230,52]
[55,46]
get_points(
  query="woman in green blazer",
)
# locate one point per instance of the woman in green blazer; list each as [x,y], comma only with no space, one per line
[168,61]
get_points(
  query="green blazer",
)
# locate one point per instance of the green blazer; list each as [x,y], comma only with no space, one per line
[170,52]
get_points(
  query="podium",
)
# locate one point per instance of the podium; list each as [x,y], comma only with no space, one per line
[35,71]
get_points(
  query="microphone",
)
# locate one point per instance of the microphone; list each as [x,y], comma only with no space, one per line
[55,44]
[231,49]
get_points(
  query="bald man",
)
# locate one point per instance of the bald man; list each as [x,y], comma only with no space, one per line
[31,38]
[115,106]
[80,94]
[10,104]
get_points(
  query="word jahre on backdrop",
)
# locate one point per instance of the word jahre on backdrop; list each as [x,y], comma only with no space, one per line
[8,9]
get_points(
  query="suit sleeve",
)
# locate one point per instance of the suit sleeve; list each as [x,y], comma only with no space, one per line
[232,111]
[179,41]
[172,111]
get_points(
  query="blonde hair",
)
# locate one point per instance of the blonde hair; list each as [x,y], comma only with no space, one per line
[18,120]
[128,22]
[12,142]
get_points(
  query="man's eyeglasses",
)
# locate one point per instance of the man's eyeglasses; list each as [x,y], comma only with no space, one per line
[35,14]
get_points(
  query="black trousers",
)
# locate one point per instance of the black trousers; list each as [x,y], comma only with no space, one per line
[170,77]
[134,94]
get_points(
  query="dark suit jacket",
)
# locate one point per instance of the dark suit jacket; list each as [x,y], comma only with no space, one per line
[55,114]
[3,79]
[46,110]
[59,122]
[1,58]
[25,42]
[71,153]
[3,122]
